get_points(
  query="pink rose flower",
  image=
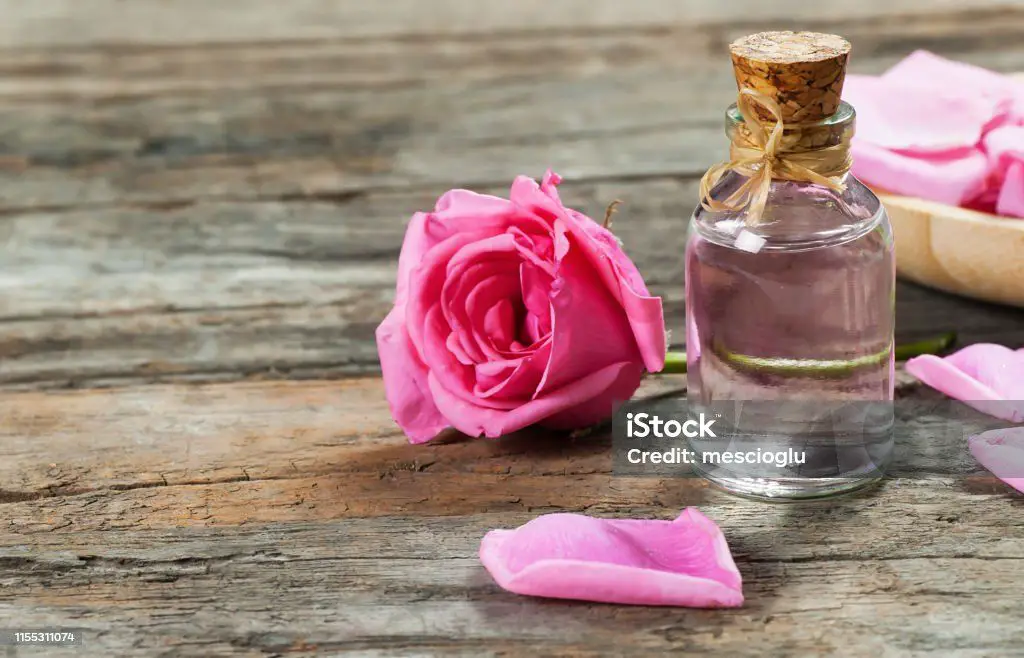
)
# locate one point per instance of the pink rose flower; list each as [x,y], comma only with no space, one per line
[514,312]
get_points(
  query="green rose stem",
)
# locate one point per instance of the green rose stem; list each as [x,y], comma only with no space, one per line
[675,362]
[927,346]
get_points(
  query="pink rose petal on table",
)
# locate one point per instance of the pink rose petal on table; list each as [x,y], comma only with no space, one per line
[889,114]
[989,378]
[685,562]
[1002,452]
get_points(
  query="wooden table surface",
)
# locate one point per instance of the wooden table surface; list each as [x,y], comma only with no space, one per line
[201,205]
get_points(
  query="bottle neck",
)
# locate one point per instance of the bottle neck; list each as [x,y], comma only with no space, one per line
[817,153]
[829,133]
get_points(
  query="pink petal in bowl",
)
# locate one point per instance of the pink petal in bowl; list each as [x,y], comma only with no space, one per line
[1002,452]
[1011,197]
[989,378]
[1000,92]
[889,114]
[951,178]
[685,562]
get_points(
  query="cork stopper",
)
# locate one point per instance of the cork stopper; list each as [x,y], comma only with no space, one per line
[802,71]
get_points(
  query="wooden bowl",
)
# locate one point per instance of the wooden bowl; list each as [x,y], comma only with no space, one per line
[957,250]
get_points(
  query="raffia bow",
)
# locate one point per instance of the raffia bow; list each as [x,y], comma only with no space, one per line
[761,156]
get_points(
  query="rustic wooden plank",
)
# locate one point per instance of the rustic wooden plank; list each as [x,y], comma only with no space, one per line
[277,606]
[322,441]
[237,255]
[285,289]
[212,344]
[78,22]
[107,73]
[139,437]
[598,106]
[894,563]
[221,210]
[168,151]
[932,522]
[211,289]
[235,517]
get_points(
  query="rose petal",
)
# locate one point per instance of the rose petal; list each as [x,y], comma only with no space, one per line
[478,276]
[402,366]
[535,242]
[685,562]
[599,407]
[516,384]
[1002,452]
[995,366]
[951,178]
[470,296]
[602,250]
[428,324]
[499,322]
[623,279]
[493,418]
[457,212]
[426,283]
[965,80]
[589,329]
[937,154]
[549,186]
[1004,146]
[536,288]
[405,378]
[989,378]
[889,114]
[1004,192]
[529,198]
[455,346]
[1011,195]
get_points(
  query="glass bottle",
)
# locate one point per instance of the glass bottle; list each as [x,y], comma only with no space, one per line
[790,319]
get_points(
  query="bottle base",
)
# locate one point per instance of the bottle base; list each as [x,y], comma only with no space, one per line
[785,490]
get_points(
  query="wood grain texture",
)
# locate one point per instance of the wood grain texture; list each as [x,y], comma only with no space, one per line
[212,195]
[215,208]
[300,588]
[88,22]
[170,125]
[279,517]
[218,290]
[958,250]
[67,443]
